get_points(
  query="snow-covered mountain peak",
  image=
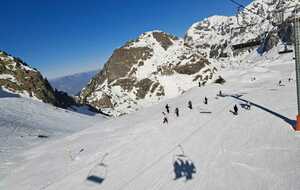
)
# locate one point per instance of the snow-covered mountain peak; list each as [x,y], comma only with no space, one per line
[154,66]
[217,36]
[155,39]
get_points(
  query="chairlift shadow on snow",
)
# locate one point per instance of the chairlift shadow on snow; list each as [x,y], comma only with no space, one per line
[98,173]
[183,166]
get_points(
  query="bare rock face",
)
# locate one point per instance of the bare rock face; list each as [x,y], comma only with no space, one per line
[164,39]
[122,60]
[192,68]
[148,69]
[19,78]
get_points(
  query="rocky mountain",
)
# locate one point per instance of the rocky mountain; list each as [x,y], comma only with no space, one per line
[158,65]
[152,67]
[256,26]
[20,79]
[72,84]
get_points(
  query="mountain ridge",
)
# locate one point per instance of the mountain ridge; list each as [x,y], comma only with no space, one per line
[72,84]
[206,45]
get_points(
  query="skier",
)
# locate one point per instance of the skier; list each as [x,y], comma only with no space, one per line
[168,108]
[177,112]
[220,93]
[280,83]
[205,100]
[235,108]
[165,120]
[199,84]
[190,104]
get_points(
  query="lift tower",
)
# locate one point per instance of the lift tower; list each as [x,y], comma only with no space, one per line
[297,58]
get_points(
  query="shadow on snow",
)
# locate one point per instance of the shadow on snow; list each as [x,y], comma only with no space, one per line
[287,120]
[183,168]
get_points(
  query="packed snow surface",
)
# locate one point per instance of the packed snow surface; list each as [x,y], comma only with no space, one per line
[256,149]
[26,123]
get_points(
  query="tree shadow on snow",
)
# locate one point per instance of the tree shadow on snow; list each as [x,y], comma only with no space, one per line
[287,120]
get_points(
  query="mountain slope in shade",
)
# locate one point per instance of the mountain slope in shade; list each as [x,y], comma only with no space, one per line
[73,84]
[25,123]
[18,77]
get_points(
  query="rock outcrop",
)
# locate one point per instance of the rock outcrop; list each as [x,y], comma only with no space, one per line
[155,66]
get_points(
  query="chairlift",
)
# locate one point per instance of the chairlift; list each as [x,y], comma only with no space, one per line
[97,173]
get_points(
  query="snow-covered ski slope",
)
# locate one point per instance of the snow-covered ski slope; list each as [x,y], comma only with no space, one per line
[257,149]
[25,123]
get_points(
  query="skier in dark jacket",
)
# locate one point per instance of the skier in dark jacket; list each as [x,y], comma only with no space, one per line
[235,108]
[165,120]
[177,112]
[168,108]
[205,100]
[190,105]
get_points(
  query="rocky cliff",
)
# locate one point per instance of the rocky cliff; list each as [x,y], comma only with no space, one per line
[19,78]
[152,67]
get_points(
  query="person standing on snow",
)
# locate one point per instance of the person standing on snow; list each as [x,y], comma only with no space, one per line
[168,108]
[165,120]
[220,93]
[190,104]
[177,112]
[235,108]
[205,100]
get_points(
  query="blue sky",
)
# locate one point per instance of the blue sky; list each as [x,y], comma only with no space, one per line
[60,37]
